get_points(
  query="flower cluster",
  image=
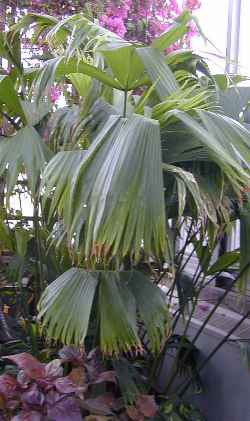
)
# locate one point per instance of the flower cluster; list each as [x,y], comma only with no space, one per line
[143,20]
[135,20]
[54,94]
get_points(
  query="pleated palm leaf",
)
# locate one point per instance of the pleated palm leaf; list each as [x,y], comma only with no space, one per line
[66,305]
[25,152]
[216,152]
[113,200]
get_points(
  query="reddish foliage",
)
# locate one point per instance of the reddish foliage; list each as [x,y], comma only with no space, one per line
[41,390]
[32,367]
[145,407]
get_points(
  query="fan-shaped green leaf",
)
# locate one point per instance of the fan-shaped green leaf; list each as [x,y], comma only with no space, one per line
[116,193]
[25,150]
[77,33]
[117,307]
[35,112]
[234,137]
[151,306]
[59,173]
[66,304]
[126,66]
[187,182]
[57,68]
[24,23]
[81,82]
[216,136]
[158,71]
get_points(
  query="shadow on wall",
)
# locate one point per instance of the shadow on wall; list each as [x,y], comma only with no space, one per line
[226,381]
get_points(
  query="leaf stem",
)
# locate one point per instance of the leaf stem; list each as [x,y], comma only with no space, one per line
[36,220]
[125,103]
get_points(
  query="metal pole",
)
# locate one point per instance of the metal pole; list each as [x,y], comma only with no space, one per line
[233,36]
[229,35]
[237,36]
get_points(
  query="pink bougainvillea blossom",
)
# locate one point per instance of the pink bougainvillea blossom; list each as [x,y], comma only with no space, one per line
[54,93]
[192,4]
[143,20]
[114,24]
[134,20]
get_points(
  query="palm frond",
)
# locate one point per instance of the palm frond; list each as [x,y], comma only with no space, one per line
[65,309]
[226,142]
[177,151]
[186,181]
[158,71]
[57,68]
[76,37]
[115,198]
[66,304]
[152,311]
[188,99]
[59,173]
[63,125]
[34,112]
[125,64]
[234,137]
[118,327]
[77,33]
[25,150]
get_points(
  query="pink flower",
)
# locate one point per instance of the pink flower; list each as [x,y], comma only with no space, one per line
[143,20]
[172,48]
[104,20]
[54,94]
[192,4]
[117,25]
[137,20]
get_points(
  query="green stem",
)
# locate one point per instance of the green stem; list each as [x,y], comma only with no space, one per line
[36,220]
[181,253]
[125,103]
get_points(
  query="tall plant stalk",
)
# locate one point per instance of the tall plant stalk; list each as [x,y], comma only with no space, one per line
[125,100]
[39,261]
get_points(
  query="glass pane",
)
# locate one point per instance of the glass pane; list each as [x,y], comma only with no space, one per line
[213,18]
[244,58]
